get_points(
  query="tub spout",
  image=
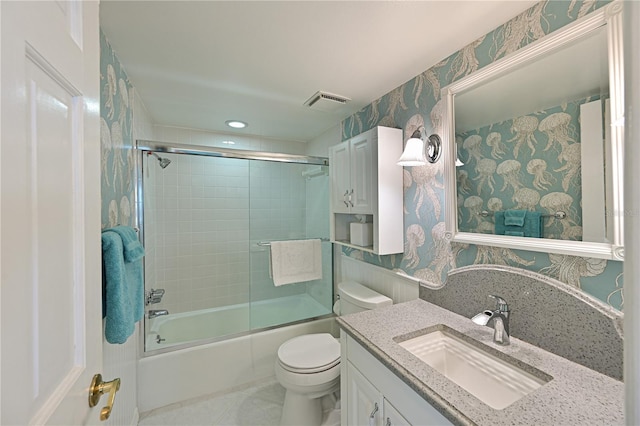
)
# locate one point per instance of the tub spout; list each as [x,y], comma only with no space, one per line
[157,313]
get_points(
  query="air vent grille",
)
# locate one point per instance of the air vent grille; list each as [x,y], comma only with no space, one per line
[324,101]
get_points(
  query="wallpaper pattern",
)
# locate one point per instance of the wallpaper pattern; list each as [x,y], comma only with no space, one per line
[428,255]
[532,162]
[116,139]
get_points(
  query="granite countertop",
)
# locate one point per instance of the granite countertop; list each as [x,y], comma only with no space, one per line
[576,395]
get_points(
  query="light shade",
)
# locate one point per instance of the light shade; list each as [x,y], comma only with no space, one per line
[413,154]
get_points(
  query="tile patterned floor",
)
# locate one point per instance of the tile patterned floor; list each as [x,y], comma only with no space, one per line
[260,405]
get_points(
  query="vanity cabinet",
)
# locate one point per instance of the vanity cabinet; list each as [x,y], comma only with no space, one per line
[366,186]
[372,395]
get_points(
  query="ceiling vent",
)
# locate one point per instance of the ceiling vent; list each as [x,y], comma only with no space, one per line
[327,102]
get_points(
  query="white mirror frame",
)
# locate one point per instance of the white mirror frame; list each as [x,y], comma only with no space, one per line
[610,16]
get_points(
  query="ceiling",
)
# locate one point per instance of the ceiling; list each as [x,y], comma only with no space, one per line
[197,64]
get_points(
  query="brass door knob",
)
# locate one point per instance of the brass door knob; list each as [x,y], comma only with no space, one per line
[98,388]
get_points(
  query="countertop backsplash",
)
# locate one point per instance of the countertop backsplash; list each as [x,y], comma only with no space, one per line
[544,312]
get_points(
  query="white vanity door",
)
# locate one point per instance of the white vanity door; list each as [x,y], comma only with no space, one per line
[363,399]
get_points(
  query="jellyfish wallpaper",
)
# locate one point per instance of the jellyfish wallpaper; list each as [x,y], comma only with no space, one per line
[545,179]
[530,161]
[117,155]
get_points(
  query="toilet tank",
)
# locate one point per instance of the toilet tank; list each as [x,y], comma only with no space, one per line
[354,297]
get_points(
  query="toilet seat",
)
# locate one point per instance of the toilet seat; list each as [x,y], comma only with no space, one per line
[310,353]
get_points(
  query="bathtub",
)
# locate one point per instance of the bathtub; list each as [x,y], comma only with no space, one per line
[211,324]
[218,367]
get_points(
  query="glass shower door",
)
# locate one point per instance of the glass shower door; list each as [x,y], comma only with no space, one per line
[196,231]
[288,202]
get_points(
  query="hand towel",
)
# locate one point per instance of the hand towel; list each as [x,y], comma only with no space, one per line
[514,217]
[533,226]
[123,289]
[296,261]
[498,221]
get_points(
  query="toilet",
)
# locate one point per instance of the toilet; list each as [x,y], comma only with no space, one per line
[308,366]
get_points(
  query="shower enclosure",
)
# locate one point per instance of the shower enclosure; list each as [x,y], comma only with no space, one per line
[207,217]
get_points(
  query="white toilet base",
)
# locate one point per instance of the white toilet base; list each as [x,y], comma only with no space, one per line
[298,410]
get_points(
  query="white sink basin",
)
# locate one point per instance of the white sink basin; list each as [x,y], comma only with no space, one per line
[492,380]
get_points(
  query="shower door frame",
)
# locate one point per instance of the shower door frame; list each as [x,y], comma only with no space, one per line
[144,147]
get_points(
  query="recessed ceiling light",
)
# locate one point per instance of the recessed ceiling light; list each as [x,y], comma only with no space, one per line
[228,142]
[236,124]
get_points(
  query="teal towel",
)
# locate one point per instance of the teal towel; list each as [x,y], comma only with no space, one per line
[133,250]
[514,233]
[123,289]
[514,217]
[533,226]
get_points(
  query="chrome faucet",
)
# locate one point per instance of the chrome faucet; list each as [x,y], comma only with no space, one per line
[157,313]
[500,319]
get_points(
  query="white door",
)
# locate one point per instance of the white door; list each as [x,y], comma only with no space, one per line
[50,265]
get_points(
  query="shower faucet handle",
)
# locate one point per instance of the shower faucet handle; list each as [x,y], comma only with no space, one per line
[154,296]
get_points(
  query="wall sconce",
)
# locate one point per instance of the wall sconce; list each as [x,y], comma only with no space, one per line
[418,151]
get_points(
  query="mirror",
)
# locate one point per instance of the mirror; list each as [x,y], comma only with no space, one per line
[540,137]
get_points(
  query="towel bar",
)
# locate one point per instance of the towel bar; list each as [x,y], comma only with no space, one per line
[268,243]
[557,215]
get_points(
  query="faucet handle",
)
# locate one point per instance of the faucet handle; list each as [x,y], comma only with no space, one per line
[501,304]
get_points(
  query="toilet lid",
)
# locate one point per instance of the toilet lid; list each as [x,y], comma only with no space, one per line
[310,353]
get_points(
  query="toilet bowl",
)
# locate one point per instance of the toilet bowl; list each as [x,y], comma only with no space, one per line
[308,366]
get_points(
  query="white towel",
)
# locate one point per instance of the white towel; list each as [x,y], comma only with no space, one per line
[296,261]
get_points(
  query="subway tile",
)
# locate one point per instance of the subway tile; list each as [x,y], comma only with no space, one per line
[184,180]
